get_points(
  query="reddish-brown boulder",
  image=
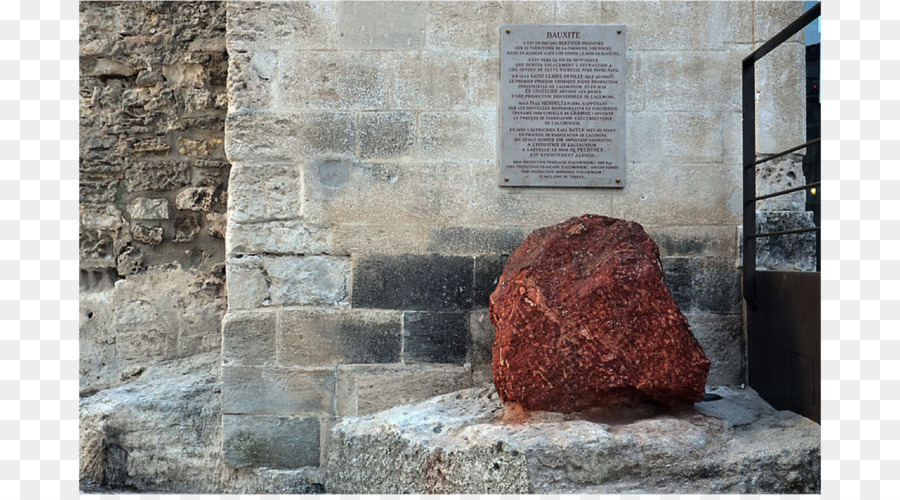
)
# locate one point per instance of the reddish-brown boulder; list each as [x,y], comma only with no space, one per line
[583,319]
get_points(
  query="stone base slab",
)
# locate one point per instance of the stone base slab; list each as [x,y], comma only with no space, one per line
[467,442]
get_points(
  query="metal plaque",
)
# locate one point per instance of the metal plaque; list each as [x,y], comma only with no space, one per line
[562,105]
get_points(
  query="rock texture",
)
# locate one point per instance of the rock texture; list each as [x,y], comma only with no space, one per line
[465,442]
[162,432]
[583,319]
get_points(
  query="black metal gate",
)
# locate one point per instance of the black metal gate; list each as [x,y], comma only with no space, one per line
[782,307]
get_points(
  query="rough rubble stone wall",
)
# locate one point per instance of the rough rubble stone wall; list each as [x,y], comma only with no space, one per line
[366,228]
[153,185]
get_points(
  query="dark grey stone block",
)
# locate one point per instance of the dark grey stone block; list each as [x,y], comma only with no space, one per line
[717,286]
[412,282]
[435,337]
[325,337]
[267,441]
[488,269]
[679,278]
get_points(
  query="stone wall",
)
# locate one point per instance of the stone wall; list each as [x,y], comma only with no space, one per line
[153,185]
[366,228]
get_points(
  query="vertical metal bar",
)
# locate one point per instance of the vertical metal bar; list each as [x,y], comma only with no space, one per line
[748,92]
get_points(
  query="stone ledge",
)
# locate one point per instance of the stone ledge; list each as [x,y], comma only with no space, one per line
[463,442]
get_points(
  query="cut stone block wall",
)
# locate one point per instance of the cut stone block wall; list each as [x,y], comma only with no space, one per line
[366,228]
[153,180]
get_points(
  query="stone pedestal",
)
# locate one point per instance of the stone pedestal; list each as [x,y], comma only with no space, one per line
[466,442]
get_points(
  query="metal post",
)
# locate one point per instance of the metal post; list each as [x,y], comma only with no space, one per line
[749,148]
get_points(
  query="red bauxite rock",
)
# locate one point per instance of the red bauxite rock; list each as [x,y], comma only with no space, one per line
[583,319]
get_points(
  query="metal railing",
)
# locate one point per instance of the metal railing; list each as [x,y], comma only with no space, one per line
[750,160]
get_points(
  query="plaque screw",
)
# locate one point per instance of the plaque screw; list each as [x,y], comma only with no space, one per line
[506,179]
[618,180]
[618,32]
[508,31]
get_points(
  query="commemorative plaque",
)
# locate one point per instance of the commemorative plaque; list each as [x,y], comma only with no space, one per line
[562,106]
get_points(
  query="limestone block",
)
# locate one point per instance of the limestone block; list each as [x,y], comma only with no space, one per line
[363,390]
[435,337]
[332,81]
[276,391]
[248,338]
[427,80]
[669,81]
[261,137]
[251,75]
[149,209]
[676,25]
[350,238]
[387,135]
[722,338]
[336,191]
[319,280]
[781,99]
[484,81]
[693,137]
[530,207]
[772,17]
[461,443]
[264,192]
[412,282]
[322,338]
[382,25]
[579,12]
[691,194]
[247,283]
[458,136]
[303,25]
[455,26]
[270,441]
[694,241]
[277,237]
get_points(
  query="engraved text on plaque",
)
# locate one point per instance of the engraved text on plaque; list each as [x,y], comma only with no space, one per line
[562,106]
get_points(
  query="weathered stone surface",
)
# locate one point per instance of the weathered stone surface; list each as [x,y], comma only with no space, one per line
[198,199]
[790,252]
[465,443]
[125,330]
[146,208]
[161,433]
[583,319]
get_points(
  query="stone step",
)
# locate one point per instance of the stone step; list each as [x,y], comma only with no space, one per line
[467,443]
